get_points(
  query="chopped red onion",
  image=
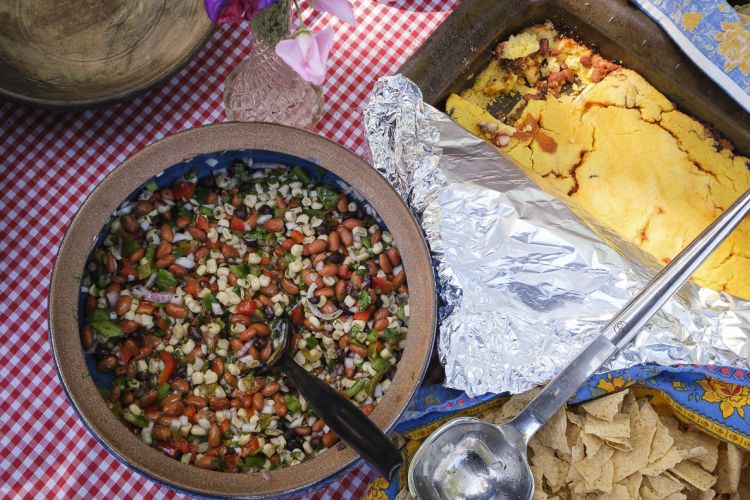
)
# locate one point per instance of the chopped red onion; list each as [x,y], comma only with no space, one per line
[181,237]
[185,262]
[112,298]
[146,294]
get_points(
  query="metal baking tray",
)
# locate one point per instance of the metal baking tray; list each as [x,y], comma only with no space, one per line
[464,43]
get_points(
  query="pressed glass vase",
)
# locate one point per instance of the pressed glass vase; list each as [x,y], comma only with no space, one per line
[264,88]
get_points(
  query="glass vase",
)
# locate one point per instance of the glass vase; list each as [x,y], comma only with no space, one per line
[264,88]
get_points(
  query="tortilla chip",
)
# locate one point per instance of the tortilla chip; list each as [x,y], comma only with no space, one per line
[621,444]
[592,443]
[676,496]
[619,427]
[693,439]
[666,462]
[619,492]
[577,454]
[536,473]
[515,404]
[553,433]
[664,486]
[607,407]
[553,469]
[661,444]
[597,472]
[694,475]
[728,469]
[633,483]
[643,426]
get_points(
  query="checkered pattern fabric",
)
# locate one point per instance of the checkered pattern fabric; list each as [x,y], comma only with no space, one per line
[49,163]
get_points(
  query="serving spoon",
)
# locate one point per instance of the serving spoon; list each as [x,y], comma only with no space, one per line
[339,414]
[468,458]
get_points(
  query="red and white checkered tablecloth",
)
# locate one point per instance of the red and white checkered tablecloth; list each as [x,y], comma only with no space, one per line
[50,162]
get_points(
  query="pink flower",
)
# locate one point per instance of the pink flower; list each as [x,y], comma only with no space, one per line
[234,11]
[339,8]
[307,53]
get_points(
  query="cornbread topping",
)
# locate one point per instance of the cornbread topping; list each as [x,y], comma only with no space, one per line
[603,139]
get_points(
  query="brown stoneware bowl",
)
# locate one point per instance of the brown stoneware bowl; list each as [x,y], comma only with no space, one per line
[169,155]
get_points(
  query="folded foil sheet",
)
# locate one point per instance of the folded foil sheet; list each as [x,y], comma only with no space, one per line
[524,283]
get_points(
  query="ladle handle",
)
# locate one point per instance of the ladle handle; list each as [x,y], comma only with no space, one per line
[628,322]
[346,420]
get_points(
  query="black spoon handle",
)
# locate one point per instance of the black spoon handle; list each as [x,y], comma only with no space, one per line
[345,419]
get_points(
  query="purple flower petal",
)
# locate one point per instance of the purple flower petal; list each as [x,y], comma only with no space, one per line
[234,11]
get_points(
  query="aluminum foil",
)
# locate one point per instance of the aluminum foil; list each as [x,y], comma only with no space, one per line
[524,283]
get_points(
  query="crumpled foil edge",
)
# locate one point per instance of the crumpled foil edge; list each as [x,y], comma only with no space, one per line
[523,282]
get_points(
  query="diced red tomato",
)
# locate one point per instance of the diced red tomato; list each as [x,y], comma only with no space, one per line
[124,354]
[169,364]
[382,284]
[246,307]
[183,190]
[236,224]
[364,316]
[298,316]
[201,223]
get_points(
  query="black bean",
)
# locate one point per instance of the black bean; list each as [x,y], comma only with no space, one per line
[195,333]
[142,376]
[314,300]
[336,258]
[315,442]
[241,212]
[268,311]
[182,372]
[137,336]
[354,293]
[265,210]
[289,434]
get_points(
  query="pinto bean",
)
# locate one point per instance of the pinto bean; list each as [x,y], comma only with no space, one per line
[166,233]
[164,248]
[176,311]
[346,236]
[334,241]
[394,256]
[274,226]
[385,263]
[87,336]
[214,436]
[129,223]
[289,287]
[352,223]
[315,247]
[161,433]
[270,389]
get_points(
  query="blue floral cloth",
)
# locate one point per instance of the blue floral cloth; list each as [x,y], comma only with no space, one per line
[714,35]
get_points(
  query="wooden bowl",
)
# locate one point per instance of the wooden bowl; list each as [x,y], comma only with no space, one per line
[170,154]
[72,54]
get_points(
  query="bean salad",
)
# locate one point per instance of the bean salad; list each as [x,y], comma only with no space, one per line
[182,294]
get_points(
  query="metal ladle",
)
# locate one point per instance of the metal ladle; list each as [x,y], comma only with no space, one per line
[468,458]
[339,414]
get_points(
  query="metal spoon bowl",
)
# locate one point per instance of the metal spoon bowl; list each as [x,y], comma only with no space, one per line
[471,459]
[339,414]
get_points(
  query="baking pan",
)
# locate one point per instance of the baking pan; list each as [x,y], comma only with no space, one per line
[463,44]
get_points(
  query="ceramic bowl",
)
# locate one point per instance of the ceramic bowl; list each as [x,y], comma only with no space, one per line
[206,148]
